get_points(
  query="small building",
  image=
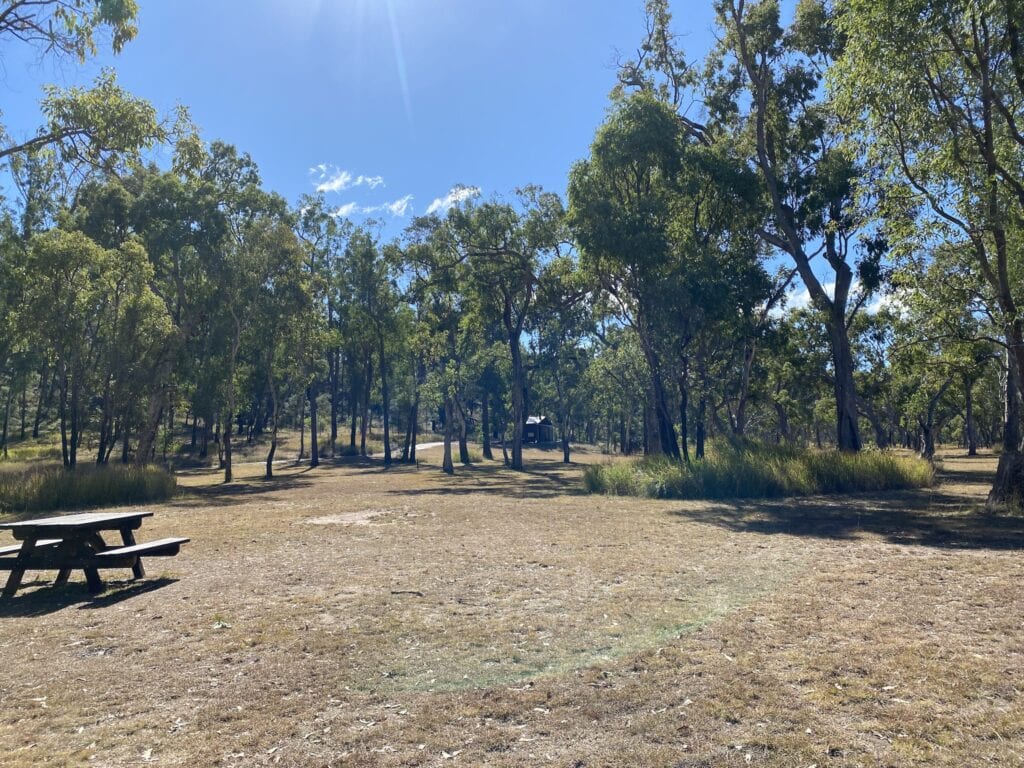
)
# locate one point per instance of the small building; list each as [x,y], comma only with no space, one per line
[538,429]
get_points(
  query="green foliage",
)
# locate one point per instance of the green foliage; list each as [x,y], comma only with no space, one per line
[759,471]
[69,27]
[54,488]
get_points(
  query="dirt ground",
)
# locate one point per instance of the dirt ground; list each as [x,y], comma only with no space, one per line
[348,616]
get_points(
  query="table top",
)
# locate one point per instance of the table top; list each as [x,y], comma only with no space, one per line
[83,521]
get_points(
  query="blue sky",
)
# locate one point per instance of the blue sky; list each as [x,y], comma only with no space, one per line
[407,97]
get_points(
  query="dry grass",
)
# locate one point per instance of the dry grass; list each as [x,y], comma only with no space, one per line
[505,619]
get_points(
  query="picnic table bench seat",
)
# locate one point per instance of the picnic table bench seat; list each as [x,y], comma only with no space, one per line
[14,549]
[159,548]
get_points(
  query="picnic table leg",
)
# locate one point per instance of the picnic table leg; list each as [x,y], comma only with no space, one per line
[93,580]
[14,580]
[62,577]
[129,541]
[92,573]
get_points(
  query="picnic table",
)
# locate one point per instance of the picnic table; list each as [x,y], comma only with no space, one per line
[71,542]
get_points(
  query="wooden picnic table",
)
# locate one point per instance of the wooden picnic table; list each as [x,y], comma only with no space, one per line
[70,542]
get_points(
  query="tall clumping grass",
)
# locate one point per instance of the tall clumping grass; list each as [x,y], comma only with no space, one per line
[38,489]
[760,471]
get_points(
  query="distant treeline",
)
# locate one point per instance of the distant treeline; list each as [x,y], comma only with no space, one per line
[813,237]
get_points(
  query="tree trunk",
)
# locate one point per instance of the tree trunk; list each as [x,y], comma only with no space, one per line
[518,404]
[154,411]
[229,418]
[204,447]
[125,452]
[485,424]
[847,430]
[7,416]
[76,424]
[334,360]
[302,427]
[353,401]
[970,433]
[447,466]
[273,425]
[662,438]
[414,427]
[739,425]
[927,439]
[463,445]
[314,435]
[684,405]
[1008,487]
[47,381]
[226,441]
[24,408]
[364,426]
[385,395]
[565,438]
[702,406]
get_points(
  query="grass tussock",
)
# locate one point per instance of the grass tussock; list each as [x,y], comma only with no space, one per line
[55,488]
[758,471]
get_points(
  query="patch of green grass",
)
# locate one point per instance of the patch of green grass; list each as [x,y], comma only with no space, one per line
[759,471]
[56,488]
[32,451]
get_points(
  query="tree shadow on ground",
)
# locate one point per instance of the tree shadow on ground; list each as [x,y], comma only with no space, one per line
[240,492]
[48,598]
[911,518]
[493,478]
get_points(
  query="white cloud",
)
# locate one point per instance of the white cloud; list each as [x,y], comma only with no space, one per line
[346,210]
[455,196]
[332,179]
[371,181]
[399,207]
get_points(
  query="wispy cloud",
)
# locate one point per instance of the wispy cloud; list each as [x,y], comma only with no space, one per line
[397,208]
[456,195]
[346,210]
[329,178]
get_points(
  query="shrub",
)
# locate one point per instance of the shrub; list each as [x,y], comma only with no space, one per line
[758,471]
[56,488]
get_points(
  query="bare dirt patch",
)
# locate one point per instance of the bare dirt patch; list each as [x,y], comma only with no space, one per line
[506,619]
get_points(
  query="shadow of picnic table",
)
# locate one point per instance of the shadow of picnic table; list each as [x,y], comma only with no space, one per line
[48,598]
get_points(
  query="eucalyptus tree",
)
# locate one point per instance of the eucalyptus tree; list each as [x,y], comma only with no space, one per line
[948,315]
[278,318]
[612,379]
[323,236]
[621,212]
[95,127]
[182,227]
[230,184]
[765,88]
[505,247]
[371,273]
[940,96]
[91,309]
[666,224]
[437,270]
[563,329]
[762,93]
